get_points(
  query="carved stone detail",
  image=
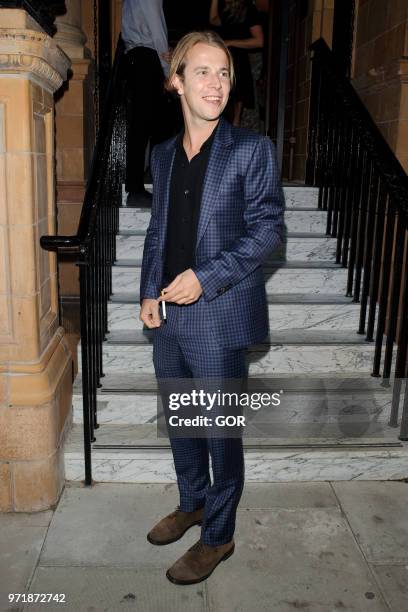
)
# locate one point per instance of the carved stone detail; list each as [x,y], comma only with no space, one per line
[35,52]
[71,39]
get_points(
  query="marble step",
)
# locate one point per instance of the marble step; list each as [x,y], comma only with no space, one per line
[276,337]
[296,196]
[298,247]
[146,384]
[273,298]
[288,277]
[120,383]
[301,196]
[307,459]
[281,316]
[144,436]
[321,407]
[296,220]
[287,351]
[119,408]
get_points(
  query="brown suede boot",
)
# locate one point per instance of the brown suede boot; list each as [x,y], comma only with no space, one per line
[199,562]
[173,526]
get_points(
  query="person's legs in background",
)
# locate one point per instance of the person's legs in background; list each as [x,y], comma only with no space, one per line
[145,89]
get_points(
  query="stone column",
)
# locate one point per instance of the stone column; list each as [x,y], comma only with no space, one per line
[116,22]
[35,362]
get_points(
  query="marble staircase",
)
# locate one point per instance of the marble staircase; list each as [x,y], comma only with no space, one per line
[313,354]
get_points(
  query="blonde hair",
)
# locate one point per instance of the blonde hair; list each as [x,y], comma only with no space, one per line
[178,61]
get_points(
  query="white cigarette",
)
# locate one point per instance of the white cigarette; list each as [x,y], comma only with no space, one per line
[164,308]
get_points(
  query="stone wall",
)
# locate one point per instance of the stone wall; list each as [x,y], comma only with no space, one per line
[379,72]
[380,68]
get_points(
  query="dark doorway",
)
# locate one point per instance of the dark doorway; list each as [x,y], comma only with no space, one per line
[343,34]
[182,16]
[104,53]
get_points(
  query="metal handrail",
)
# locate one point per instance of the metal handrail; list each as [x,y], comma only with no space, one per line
[364,189]
[87,221]
[357,112]
[94,244]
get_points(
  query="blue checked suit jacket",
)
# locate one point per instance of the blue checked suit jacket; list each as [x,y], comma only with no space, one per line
[240,225]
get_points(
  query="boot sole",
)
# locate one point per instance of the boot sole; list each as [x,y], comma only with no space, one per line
[157,543]
[185,582]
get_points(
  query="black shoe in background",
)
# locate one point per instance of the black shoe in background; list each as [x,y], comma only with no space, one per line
[148,176]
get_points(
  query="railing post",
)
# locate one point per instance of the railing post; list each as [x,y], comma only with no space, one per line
[395,295]
[401,362]
[86,365]
[404,420]
[376,267]
[315,92]
[353,178]
[372,201]
[382,309]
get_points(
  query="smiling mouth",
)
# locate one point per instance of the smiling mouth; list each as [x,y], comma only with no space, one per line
[213,100]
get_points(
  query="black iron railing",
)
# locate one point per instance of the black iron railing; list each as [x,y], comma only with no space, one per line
[365,192]
[95,244]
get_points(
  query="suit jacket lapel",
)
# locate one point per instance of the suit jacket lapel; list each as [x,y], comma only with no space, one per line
[166,168]
[220,152]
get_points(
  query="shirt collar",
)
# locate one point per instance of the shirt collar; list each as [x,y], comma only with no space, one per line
[206,143]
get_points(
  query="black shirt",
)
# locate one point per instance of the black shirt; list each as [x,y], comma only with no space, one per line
[186,188]
[235,27]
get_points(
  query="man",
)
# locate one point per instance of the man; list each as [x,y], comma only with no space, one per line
[216,216]
[144,33]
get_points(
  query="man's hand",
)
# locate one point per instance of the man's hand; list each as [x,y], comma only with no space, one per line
[167,55]
[185,289]
[149,313]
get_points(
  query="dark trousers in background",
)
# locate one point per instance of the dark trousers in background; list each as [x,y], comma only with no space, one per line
[185,348]
[146,111]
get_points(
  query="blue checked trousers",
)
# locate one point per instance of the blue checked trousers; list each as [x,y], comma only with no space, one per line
[184,348]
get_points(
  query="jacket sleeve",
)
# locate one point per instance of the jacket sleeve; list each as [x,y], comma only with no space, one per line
[263,218]
[151,260]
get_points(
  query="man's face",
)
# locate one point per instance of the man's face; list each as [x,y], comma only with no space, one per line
[206,84]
